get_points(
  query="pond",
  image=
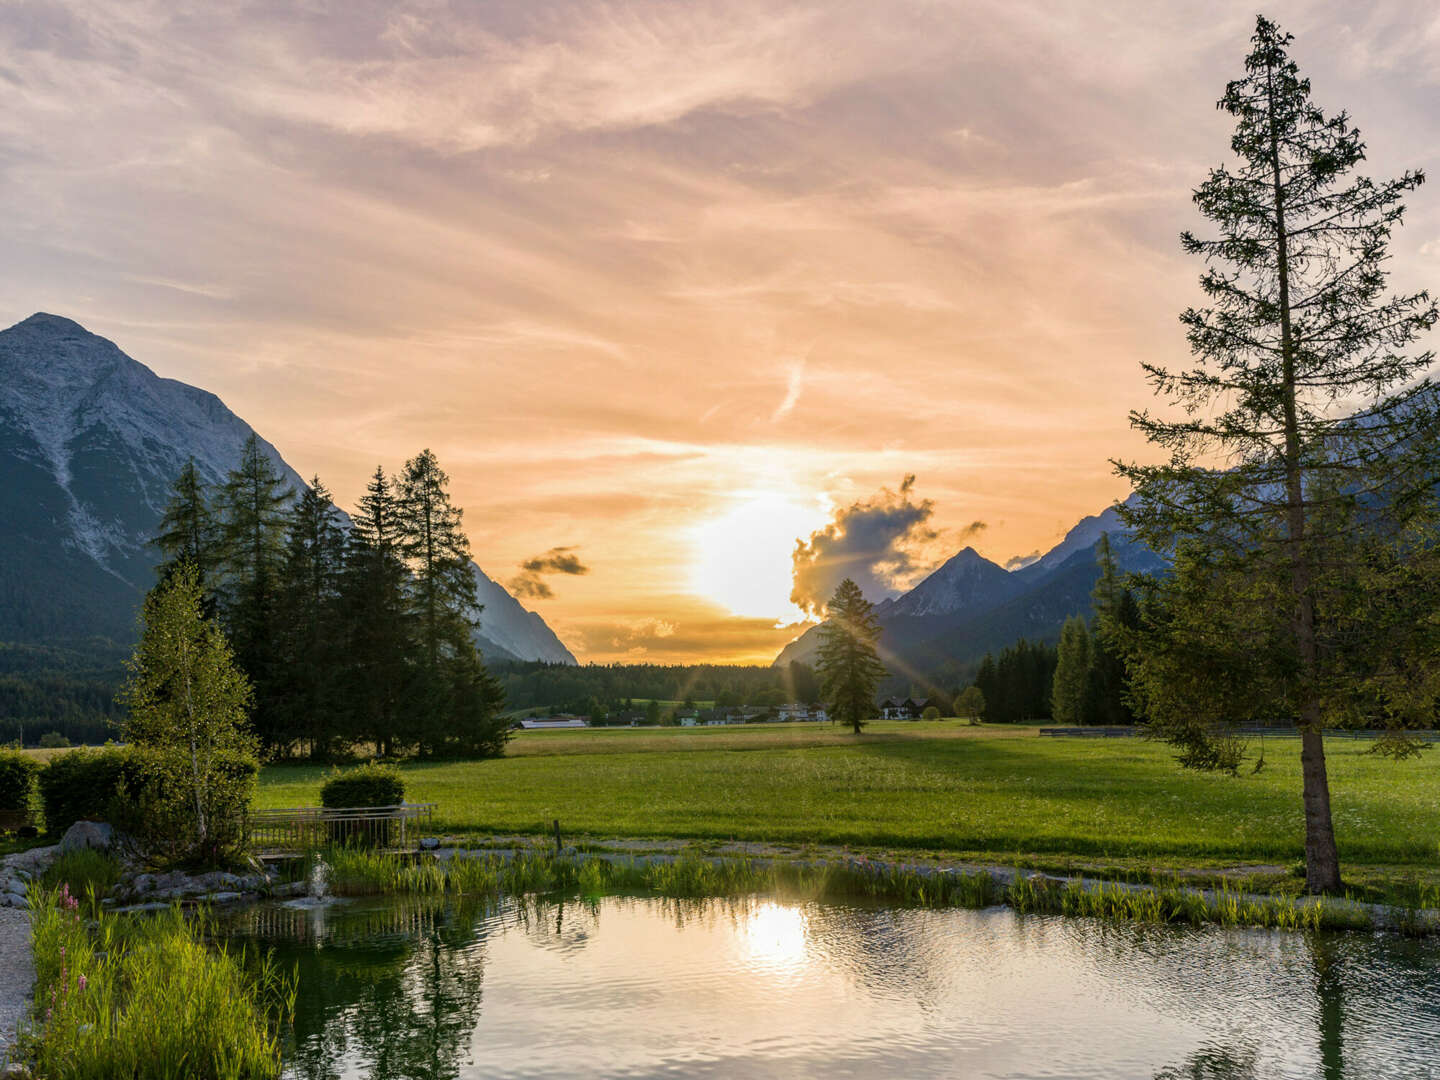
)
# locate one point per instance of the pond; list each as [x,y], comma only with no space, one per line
[645,987]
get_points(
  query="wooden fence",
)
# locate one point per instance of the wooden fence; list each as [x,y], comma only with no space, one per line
[304,827]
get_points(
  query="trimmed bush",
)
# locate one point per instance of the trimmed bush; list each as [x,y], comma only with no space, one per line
[930,713]
[17,779]
[366,785]
[82,785]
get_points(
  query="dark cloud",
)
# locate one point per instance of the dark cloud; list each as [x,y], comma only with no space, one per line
[875,543]
[1019,562]
[531,581]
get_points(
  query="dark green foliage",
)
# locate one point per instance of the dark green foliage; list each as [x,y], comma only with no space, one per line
[379,625]
[370,784]
[188,531]
[310,630]
[254,515]
[849,669]
[1016,686]
[17,780]
[82,785]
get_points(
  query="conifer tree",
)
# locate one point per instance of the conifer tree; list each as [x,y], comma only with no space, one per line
[442,587]
[309,636]
[437,552]
[1307,431]
[848,666]
[1072,673]
[188,530]
[254,505]
[379,631]
[1116,615]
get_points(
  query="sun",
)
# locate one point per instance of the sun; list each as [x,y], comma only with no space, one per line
[743,557]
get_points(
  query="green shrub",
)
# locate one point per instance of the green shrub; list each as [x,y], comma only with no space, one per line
[157,806]
[17,781]
[53,740]
[82,786]
[137,790]
[366,785]
[930,713]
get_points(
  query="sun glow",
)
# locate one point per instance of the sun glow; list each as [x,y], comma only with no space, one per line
[775,937]
[743,558]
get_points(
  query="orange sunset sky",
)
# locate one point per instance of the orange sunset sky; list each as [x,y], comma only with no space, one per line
[666,284]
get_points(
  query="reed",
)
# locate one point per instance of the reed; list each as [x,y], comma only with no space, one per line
[148,999]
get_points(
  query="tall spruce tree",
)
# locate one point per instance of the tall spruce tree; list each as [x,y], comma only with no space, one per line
[437,552]
[456,699]
[308,624]
[188,533]
[1107,699]
[849,669]
[254,504]
[1072,673]
[379,628]
[1307,432]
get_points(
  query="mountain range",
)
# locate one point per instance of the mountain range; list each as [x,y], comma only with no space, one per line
[90,443]
[939,630]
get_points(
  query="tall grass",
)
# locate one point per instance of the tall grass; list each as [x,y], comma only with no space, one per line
[692,877]
[84,872]
[147,999]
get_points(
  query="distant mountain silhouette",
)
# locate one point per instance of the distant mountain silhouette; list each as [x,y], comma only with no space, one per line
[970,606]
[90,443]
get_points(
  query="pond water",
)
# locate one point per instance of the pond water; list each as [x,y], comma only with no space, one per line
[643,987]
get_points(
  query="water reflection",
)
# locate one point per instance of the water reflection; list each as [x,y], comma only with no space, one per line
[648,987]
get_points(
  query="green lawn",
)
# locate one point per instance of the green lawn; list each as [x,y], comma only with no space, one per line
[934,786]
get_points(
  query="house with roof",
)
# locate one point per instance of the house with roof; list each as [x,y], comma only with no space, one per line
[901,709]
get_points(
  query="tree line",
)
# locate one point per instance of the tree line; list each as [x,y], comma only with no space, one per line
[581,689]
[355,634]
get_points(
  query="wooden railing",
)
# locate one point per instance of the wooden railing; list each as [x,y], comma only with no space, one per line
[304,827]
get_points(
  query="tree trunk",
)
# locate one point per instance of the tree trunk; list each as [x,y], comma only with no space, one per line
[1322,860]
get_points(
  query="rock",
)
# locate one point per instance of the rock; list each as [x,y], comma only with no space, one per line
[429,843]
[219,897]
[35,861]
[17,887]
[87,834]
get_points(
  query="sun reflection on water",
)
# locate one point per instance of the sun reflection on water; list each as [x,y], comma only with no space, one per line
[774,937]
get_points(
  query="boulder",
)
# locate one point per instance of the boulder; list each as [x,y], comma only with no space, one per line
[87,834]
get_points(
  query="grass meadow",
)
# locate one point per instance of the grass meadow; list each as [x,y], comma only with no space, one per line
[1002,793]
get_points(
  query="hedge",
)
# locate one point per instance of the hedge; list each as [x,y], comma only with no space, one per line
[111,784]
[366,785]
[17,780]
[82,785]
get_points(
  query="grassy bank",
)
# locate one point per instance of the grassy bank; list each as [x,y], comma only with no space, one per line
[356,873]
[1001,793]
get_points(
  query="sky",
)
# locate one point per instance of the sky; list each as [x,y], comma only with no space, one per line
[669,286]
